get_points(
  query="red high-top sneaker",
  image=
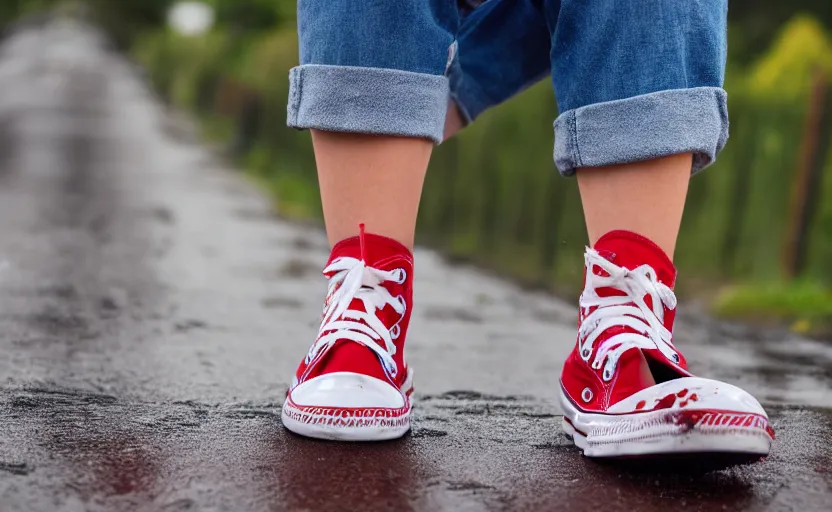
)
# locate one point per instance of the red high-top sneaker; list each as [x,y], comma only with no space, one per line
[625,388]
[354,385]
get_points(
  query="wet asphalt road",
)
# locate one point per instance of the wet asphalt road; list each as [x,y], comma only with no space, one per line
[152,312]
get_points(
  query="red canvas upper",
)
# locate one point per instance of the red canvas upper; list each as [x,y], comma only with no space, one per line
[381,253]
[632,374]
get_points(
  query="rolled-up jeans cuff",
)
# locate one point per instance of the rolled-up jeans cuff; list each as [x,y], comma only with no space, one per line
[643,128]
[367,100]
[469,100]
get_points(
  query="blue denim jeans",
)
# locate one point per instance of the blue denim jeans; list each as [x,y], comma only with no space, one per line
[634,79]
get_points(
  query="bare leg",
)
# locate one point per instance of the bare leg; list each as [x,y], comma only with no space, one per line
[453,121]
[370,179]
[643,197]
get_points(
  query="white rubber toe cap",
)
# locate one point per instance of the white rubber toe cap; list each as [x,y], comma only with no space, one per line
[690,393]
[346,389]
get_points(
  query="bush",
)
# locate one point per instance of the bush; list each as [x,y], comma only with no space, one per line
[492,195]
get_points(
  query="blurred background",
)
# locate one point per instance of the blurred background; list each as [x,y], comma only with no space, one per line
[756,239]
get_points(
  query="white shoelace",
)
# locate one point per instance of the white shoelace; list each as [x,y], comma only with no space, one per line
[630,310]
[356,280]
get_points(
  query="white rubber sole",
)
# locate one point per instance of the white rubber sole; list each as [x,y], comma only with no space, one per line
[346,424]
[666,432]
[352,407]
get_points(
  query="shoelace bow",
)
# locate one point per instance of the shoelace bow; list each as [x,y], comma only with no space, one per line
[353,279]
[630,310]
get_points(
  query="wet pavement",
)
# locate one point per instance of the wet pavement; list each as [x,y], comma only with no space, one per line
[152,312]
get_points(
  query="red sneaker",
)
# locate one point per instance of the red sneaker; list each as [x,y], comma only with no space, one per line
[354,385]
[625,388]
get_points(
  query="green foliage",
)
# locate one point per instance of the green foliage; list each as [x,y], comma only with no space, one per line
[492,194]
[805,306]
[753,23]
[126,19]
[786,73]
[10,10]
[181,66]
[254,14]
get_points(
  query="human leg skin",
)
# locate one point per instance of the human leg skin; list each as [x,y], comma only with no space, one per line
[639,88]
[371,179]
[371,86]
[649,198]
[634,117]
[370,111]
[501,49]
[372,89]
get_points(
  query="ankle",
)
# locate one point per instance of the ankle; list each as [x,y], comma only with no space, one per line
[372,249]
[631,250]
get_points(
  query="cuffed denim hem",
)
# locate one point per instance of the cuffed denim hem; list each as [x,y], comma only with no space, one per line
[367,100]
[465,108]
[469,99]
[643,128]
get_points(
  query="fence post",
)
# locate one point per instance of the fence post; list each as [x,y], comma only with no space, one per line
[807,180]
[248,125]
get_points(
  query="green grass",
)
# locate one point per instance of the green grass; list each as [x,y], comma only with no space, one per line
[805,306]
[293,197]
[216,129]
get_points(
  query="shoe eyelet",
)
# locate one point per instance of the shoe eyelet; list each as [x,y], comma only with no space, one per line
[586,395]
[608,374]
[675,358]
[395,332]
[596,365]
[402,276]
[403,302]
[585,353]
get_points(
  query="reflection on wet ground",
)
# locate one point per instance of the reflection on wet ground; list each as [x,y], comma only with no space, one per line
[466,451]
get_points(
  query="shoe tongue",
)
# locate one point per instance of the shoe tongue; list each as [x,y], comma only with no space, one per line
[351,357]
[378,252]
[631,250]
[376,248]
[634,376]
[346,356]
